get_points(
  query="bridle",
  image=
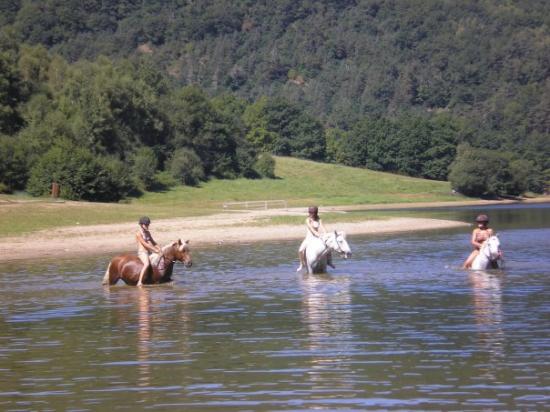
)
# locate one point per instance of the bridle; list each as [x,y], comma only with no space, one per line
[338,248]
[486,250]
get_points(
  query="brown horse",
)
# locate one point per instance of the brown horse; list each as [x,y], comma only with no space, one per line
[128,267]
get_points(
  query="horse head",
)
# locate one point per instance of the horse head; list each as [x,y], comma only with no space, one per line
[491,248]
[178,251]
[337,241]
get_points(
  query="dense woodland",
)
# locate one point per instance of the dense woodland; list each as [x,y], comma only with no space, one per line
[110,98]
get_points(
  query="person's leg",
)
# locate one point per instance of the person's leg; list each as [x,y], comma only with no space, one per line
[468,263]
[302,258]
[145,260]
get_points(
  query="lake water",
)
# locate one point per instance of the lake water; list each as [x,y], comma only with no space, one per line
[397,327]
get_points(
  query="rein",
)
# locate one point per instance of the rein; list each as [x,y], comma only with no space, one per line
[326,250]
[487,252]
[339,250]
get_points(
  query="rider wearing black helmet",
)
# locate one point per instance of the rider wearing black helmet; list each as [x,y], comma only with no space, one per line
[146,245]
[479,235]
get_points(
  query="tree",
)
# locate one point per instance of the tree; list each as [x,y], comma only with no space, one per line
[11,85]
[265,165]
[199,126]
[481,172]
[144,167]
[186,167]
[13,164]
[80,174]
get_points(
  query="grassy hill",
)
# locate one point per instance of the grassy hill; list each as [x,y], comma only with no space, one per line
[302,182]
[298,182]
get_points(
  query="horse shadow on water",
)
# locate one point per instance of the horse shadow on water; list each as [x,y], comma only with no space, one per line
[128,267]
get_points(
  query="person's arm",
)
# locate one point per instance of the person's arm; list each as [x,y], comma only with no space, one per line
[473,241]
[156,247]
[310,227]
[149,247]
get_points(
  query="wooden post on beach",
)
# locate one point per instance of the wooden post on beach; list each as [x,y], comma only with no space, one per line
[55,190]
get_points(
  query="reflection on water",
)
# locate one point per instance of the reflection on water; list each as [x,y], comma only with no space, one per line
[398,327]
[144,337]
[327,314]
[487,299]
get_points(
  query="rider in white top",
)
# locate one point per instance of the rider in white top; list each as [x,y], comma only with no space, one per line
[315,229]
[146,244]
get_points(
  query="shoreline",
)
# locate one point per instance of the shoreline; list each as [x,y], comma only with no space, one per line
[110,240]
[230,227]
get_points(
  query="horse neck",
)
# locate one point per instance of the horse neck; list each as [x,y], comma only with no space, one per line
[331,242]
[168,253]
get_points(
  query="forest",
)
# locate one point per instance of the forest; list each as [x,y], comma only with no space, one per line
[113,98]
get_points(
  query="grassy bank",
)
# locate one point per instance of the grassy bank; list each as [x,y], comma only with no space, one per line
[298,182]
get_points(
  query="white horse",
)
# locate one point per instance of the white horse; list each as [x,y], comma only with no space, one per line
[317,250]
[488,255]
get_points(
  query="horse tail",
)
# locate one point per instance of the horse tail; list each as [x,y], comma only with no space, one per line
[107,275]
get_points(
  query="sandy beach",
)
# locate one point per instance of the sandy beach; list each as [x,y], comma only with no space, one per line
[219,229]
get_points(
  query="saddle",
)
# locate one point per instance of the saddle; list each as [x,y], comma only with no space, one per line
[158,261]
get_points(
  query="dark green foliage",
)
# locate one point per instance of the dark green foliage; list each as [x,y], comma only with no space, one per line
[265,165]
[391,85]
[283,128]
[210,134]
[13,164]
[79,173]
[482,172]
[144,167]
[186,167]
[11,85]
[416,146]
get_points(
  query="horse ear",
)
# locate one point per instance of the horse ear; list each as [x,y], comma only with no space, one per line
[179,242]
[186,242]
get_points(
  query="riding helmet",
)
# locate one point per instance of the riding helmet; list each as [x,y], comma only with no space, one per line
[313,209]
[482,219]
[144,220]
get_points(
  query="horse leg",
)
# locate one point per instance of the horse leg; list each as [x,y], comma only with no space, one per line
[112,275]
[107,276]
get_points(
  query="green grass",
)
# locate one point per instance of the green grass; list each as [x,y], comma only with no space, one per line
[298,182]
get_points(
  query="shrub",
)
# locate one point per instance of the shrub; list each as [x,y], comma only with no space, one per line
[482,172]
[186,167]
[145,164]
[265,165]
[80,174]
[13,164]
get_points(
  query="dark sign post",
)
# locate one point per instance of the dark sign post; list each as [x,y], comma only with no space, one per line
[55,190]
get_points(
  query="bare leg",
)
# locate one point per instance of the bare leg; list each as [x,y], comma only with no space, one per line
[302,258]
[146,265]
[468,263]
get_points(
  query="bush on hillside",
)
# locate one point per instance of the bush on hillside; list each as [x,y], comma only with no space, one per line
[13,164]
[482,172]
[80,174]
[186,167]
[145,164]
[265,165]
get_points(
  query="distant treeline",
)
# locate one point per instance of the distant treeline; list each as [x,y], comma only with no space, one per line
[112,97]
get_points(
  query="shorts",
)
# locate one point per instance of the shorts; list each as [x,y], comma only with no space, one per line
[144,257]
